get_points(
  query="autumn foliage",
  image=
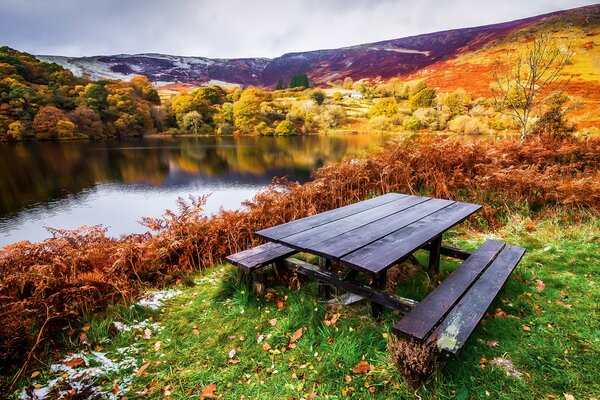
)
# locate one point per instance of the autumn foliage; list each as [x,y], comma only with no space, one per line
[53,283]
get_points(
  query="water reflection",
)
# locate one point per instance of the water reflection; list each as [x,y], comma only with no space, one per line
[66,185]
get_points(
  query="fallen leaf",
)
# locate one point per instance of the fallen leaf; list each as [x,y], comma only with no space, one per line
[362,367]
[266,347]
[499,313]
[296,335]
[347,378]
[157,346]
[280,305]
[195,331]
[260,339]
[208,392]
[493,343]
[143,368]
[147,333]
[526,328]
[568,396]
[273,321]
[83,339]
[85,328]
[372,389]
[540,285]
[116,389]
[311,396]
[332,320]
[35,373]
[232,353]
[74,362]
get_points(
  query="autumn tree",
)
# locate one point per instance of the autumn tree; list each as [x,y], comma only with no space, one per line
[46,122]
[421,97]
[525,79]
[386,107]
[247,110]
[192,122]
[87,121]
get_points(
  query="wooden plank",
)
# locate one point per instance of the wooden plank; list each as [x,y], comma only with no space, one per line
[337,247]
[383,253]
[289,228]
[260,255]
[435,248]
[460,322]
[303,240]
[388,300]
[432,309]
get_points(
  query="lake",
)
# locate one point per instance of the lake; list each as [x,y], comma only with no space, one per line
[69,184]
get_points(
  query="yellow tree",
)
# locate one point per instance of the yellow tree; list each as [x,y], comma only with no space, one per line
[524,80]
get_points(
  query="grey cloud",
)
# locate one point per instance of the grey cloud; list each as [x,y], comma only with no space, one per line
[230,28]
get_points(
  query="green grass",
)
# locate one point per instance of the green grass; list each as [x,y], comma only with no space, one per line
[198,329]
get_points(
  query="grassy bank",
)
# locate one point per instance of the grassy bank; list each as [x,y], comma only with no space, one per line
[285,344]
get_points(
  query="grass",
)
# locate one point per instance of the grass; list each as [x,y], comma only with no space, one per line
[216,331]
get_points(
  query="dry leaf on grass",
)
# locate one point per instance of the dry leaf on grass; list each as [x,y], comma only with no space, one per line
[540,285]
[296,336]
[208,392]
[142,369]
[362,367]
[74,362]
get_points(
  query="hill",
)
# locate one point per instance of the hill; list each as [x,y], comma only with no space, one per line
[448,58]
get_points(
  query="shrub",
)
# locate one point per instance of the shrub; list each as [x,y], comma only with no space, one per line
[411,123]
[386,107]
[331,116]
[380,123]
[337,96]
[431,118]
[285,128]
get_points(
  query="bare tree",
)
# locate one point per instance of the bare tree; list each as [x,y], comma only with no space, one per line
[525,79]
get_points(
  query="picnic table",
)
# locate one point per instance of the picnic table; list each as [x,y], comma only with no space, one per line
[371,236]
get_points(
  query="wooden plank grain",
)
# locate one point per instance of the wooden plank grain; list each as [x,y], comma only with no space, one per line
[260,255]
[458,325]
[433,308]
[289,228]
[337,247]
[304,240]
[381,254]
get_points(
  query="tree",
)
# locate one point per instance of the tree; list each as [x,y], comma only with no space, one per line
[285,128]
[16,129]
[87,121]
[348,83]
[247,110]
[421,97]
[317,96]
[192,122]
[524,80]
[386,107]
[553,122]
[46,121]
[299,81]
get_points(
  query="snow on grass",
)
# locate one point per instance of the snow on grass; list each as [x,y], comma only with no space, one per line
[155,300]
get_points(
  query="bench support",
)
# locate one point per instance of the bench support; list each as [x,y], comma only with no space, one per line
[435,247]
[401,304]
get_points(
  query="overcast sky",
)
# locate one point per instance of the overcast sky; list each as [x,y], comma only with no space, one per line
[240,28]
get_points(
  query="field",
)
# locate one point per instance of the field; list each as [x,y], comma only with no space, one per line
[217,337]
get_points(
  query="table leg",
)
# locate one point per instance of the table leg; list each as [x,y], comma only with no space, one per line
[435,248]
[378,284]
[324,289]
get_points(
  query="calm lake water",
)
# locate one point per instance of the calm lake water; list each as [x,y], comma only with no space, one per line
[67,185]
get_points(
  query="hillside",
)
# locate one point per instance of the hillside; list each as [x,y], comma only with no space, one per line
[449,58]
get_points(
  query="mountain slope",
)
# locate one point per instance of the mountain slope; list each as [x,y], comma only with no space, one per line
[460,57]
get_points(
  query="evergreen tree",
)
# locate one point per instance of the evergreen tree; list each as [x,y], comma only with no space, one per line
[299,81]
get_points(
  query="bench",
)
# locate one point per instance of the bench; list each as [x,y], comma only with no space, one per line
[260,256]
[450,313]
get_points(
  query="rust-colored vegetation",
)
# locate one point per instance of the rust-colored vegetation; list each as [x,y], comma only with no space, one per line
[53,283]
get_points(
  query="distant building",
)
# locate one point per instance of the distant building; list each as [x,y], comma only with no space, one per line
[353,95]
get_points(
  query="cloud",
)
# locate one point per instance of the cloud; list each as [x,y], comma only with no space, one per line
[230,28]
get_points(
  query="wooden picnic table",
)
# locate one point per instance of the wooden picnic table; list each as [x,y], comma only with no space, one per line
[371,236]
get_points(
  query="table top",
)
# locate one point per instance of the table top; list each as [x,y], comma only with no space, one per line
[374,234]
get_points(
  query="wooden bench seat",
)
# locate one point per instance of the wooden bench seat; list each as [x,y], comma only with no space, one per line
[450,313]
[260,256]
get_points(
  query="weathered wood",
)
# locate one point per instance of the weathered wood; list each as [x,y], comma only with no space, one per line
[431,310]
[277,232]
[388,300]
[339,246]
[324,289]
[304,240]
[460,322]
[435,247]
[260,255]
[383,253]
[453,252]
